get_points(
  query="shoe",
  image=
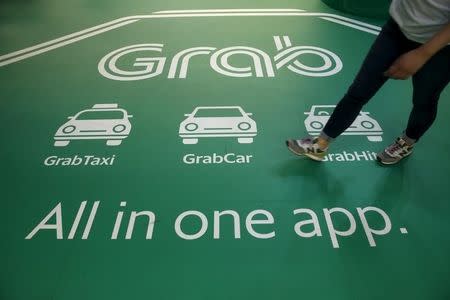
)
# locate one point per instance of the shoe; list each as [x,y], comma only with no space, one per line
[307,147]
[395,152]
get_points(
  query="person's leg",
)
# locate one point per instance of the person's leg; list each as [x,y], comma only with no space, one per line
[428,84]
[390,44]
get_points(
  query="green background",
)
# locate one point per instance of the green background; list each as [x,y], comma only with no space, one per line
[367,8]
[38,94]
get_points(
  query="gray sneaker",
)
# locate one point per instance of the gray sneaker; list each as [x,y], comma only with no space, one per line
[395,152]
[307,147]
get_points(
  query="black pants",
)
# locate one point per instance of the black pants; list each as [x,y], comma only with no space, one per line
[428,83]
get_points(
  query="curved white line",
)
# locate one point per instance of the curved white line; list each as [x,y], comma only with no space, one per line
[227,66]
[186,59]
[176,59]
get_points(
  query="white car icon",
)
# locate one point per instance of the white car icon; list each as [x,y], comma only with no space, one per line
[363,124]
[102,121]
[218,121]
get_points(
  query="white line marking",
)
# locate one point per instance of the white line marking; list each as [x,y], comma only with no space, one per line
[351,25]
[65,43]
[61,39]
[242,14]
[78,36]
[404,230]
[226,10]
[278,44]
[287,41]
[378,28]
[287,14]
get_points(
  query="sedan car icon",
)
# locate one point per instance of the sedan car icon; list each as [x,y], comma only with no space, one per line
[218,121]
[363,124]
[101,122]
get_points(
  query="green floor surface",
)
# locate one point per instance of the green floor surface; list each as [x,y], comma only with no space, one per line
[201,199]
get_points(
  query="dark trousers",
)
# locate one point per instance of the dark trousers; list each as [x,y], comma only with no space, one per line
[428,83]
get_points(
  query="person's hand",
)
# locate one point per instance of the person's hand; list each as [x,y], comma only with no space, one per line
[407,65]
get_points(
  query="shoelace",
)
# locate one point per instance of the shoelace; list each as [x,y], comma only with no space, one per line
[310,148]
[397,147]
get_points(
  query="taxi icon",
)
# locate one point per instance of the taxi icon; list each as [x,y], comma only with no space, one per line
[101,122]
[363,124]
[218,121]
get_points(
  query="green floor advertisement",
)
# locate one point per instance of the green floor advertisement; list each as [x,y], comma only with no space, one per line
[143,157]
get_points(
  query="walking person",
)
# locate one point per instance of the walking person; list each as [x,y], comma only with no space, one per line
[413,43]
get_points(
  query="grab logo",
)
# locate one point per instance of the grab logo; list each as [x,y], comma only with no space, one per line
[259,63]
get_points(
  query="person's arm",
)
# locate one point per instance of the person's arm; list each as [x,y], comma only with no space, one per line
[411,62]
